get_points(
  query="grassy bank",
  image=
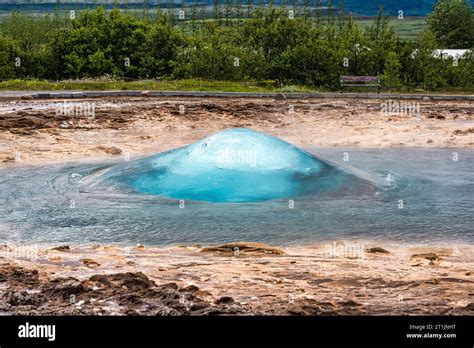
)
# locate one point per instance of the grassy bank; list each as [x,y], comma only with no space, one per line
[193,85]
[155,85]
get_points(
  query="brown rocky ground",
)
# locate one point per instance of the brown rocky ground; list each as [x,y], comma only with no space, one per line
[32,131]
[258,279]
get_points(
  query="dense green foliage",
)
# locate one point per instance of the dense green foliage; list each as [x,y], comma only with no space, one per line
[452,22]
[268,46]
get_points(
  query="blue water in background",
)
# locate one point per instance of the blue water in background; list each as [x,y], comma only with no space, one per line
[49,205]
[357,7]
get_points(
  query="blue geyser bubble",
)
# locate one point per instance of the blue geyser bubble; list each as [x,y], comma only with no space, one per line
[234,165]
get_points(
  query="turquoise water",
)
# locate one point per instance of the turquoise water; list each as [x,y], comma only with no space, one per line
[232,166]
[403,195]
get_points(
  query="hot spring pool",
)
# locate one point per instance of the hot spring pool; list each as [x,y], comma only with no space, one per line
[403,195]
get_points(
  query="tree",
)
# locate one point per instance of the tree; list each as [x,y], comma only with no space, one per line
[420,66]
[7,58]
[391,73]
[452,22]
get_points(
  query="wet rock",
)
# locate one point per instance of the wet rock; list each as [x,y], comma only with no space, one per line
[130,299]
[239,248]
[110,150]
[350,303]
[62,248]
[8,159]
[432,281]
[171,286]
[190,288]
[377,250]
[455,280]
[90,263]
[126,281]
[63,288]
[320,281]
[463,132]
[348,282]
[101,279]
[310,307]
[131,312]
[23,298]
[133,281]
[18,275]
[5,247]
[470,306]
[225,300]
[427,256]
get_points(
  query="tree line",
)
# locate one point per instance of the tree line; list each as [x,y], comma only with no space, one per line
[273,44]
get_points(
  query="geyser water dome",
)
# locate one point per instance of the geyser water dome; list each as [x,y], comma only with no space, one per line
[234,165]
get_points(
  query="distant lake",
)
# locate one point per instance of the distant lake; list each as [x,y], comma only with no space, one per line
[357,7]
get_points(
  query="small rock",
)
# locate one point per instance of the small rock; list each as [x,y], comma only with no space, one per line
[350,303]
[470,306]
[244,248]
[90,263]
[62,248]
[23,298]
[225,300]
[9,159]
[56,259]
[63,288]
[190,288]
[463,132]
[5,247]
[377,250]
[110,150]
[433,281]
[427,256]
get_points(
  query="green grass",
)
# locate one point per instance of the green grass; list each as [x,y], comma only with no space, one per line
[407,28]
[152,85]
[190,85]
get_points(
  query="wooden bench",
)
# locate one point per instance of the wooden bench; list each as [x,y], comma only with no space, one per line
[360,81]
